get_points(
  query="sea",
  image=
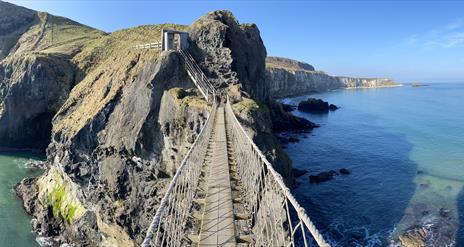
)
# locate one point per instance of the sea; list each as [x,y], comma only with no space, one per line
[404,147]
[15,224]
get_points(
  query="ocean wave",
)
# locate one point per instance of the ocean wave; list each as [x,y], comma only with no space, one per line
[339,234]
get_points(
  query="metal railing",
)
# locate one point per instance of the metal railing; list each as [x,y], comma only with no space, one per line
[197,76]
[194,71]
[275,217]
[156,45]
[168,226]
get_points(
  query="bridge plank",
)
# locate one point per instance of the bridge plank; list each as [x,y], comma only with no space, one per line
[218,219]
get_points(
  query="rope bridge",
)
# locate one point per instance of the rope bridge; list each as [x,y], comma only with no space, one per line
[261,208]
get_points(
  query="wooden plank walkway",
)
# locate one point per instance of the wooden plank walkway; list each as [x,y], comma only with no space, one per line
[217,228]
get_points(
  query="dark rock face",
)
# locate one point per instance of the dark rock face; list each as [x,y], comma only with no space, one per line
[14,20]
[232,52]
[85,229]
[315,106]
[27,191]
[32,88]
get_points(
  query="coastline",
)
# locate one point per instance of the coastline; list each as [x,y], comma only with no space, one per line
[299,94]
[381,86]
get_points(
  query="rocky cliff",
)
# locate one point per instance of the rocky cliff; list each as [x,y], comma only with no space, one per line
[37,72]
[117,121]
[230,53]
[286,78]
[233,55]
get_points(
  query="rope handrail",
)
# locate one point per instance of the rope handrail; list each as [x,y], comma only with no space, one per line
[175,205]
[275,218]
[259,178]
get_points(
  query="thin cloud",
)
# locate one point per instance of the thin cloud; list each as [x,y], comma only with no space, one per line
[449,36]
[455,25]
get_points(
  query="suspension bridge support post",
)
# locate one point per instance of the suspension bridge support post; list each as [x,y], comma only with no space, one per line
[183,41]
[168,40]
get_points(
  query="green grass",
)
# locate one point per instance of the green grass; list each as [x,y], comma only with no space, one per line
[56,193]
[55,198]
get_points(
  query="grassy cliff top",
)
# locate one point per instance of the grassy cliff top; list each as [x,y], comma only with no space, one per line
[51,34]
[109,62]
[287,64]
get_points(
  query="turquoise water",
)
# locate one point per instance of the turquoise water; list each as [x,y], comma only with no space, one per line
[15,227]
[405,148]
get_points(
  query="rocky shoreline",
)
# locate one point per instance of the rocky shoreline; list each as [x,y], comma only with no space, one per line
[425,223]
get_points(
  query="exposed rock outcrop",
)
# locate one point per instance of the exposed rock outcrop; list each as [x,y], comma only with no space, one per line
[287,78]
[234,57]
[414,238]
[322,176]
[285,121]
[231,52]
[316,106]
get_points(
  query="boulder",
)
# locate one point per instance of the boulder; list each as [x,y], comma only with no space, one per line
[285,121]
[344,171]
[298,173]
[414,238]
[445,213]
[288,108]
[333,107]
[322,177]
[315,106]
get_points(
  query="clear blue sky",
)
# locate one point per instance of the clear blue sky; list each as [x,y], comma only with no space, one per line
[405,40]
